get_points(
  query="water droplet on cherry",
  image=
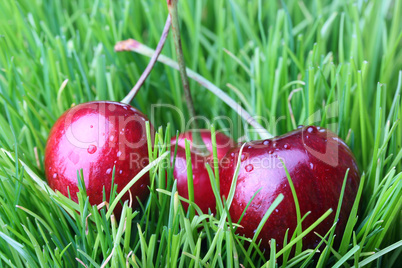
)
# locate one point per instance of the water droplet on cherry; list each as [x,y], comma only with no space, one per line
[91,149]
[108,171]
[286,146]
[311,129]
[144,162]
[55,176]
[266,142]
[243,157]
[249,168]
[119,154]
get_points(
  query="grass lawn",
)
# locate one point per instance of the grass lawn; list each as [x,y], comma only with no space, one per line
[284,62]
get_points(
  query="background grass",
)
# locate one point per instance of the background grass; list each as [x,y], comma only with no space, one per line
[268,55]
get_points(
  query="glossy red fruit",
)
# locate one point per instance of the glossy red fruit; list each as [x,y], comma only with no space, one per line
[223,142]
[95,137]
[317,161]
[203,194]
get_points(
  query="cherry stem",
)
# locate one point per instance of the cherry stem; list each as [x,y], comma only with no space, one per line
[130,96]
[137,47]
[196,135]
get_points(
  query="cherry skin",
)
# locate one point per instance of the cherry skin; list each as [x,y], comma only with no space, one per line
[223,142]
[203,194]
[95,137]
[316,160]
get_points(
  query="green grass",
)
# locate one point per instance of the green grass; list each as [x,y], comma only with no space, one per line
[286,62]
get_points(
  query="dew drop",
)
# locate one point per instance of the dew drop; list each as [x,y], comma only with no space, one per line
[91,149]
[266,142]
[243,157]
[121,171]
[232,154]
[311,129]
[249,168]
[118,154]
[250,147]
[311,166]
[111,138]
[108,171]
[144,162]
[276,210]
[115,161]
[55,176]
[274,145]
[270,152]
[299,126]
[286,146]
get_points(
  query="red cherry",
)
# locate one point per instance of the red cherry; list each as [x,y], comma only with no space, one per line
[223,142]
[317,161]
[95,137]
[203,194]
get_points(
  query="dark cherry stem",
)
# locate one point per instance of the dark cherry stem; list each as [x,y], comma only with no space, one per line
[197,140]
[130,96]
